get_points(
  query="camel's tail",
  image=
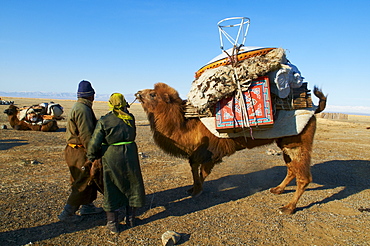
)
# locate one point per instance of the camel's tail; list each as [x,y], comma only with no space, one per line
[322,101]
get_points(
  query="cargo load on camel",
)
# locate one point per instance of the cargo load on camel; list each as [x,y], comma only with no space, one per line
[246,87]
[41,117]
[40,114]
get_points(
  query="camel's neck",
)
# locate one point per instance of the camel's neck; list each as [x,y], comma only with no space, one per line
[13,120]
[167,126]
[168,120]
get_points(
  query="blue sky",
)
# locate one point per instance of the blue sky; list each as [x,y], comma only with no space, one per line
[125,46]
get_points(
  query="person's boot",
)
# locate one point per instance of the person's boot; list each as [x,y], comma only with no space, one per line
[130,216]
[112,222]
[69,215]
[90,209]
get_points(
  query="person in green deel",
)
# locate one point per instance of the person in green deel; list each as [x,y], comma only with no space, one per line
[113,140]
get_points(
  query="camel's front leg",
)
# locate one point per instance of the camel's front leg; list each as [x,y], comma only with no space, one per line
[205,170]
[197,188]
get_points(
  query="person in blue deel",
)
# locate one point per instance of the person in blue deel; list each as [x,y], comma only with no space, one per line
[113,140]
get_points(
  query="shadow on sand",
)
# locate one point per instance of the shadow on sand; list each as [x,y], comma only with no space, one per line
[351,174]
[63,129]
[30,235]
[6,144]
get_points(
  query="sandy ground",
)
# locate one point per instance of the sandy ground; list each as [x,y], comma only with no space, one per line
[235,208]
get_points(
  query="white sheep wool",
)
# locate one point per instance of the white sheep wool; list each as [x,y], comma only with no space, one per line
[217,83]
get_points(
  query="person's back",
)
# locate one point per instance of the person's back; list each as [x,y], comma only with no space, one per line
[81,123]
[116,130]
[114,141]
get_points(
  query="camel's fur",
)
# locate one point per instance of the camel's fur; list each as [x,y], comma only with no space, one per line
[189,138]
[17,124]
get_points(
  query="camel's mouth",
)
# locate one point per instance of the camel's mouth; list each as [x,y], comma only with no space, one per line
[11,110]
[8,111]
[138,96]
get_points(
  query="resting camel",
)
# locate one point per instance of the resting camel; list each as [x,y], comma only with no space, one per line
[12,112]
[189,138]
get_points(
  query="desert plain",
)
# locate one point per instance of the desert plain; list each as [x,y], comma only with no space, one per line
[235,208]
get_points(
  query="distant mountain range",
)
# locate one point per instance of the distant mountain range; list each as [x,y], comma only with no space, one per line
[59,95]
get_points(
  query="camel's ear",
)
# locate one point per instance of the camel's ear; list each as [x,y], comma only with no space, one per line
[166,98]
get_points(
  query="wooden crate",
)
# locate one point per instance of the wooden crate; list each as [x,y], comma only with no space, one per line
[298,98]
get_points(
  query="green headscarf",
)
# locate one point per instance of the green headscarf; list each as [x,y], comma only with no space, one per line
[116,104]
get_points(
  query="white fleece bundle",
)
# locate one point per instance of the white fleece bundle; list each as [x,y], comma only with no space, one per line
[215,84]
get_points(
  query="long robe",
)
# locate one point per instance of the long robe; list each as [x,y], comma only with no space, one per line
[123,182]
[80,126]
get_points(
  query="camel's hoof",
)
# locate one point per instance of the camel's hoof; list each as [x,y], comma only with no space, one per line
[284,210]
[276,190]
[194,193]
[190,191]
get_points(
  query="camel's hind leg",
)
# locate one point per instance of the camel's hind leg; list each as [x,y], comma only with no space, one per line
[288,178]
[297,156]
[299,168]
[50,127]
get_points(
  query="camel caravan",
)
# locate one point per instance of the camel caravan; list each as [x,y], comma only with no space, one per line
[41,117]
[244,98]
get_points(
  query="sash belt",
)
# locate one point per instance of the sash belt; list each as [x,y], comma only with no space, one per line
[75,146]
[119,143]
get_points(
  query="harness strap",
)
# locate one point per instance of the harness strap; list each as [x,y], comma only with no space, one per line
[119,143]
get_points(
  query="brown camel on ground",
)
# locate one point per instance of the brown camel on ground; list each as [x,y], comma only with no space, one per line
[189,138]
[13,111]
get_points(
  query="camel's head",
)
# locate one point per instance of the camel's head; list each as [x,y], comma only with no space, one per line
[161,96]
[12,110]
